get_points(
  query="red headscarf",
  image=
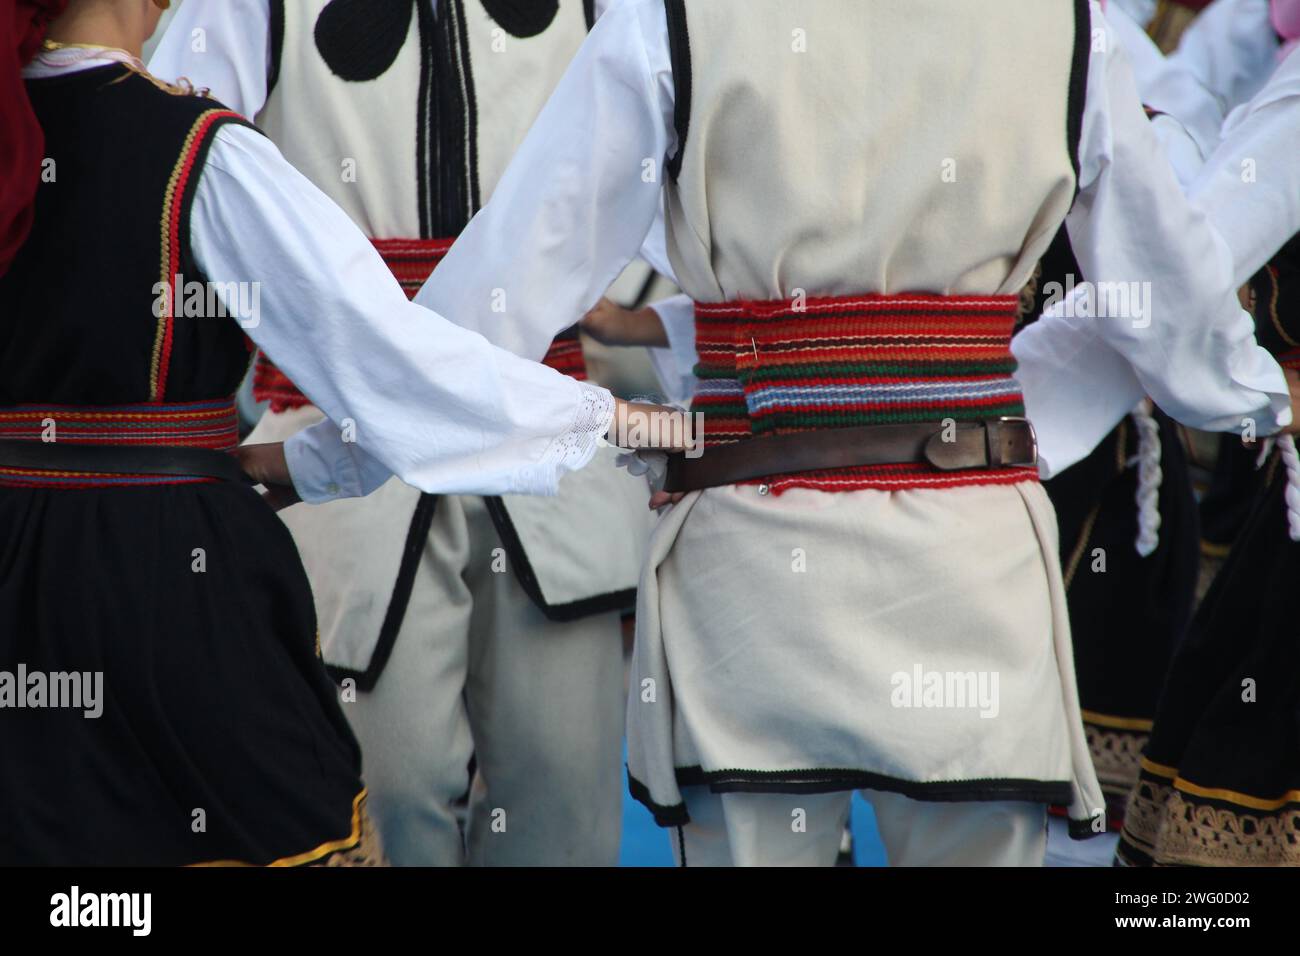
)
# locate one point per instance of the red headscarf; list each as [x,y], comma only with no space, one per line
[22,27]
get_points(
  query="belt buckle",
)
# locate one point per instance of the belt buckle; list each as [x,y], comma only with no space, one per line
[994,439]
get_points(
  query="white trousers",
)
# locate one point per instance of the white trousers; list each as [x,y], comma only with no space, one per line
[477,670]
[778,829]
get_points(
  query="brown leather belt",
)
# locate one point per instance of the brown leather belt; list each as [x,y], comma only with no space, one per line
[994,443]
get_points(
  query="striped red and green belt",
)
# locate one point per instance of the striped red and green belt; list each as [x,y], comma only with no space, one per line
[769,368]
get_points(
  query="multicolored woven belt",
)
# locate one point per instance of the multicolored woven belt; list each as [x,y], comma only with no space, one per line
[411,261]
[210,426]
[780,367]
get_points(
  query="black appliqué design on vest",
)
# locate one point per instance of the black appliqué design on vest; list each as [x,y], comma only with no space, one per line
[360,39]
[522,18]
[447,125]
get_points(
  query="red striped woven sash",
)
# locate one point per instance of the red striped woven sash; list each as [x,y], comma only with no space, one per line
[411,261]
[213,425]
[780,367]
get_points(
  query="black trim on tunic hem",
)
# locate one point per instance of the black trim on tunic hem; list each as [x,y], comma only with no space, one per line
[412,553]
[816,781]
[666,817]
[527,577]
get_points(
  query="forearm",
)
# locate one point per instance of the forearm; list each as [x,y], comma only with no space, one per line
[408,392]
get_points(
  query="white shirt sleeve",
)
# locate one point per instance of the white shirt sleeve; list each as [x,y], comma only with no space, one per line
[1184,340]
[423,399]
[675,365]
[579,197]
[1250,187]
[1231,49]
[1180,147]
[1172,89]
[221,45]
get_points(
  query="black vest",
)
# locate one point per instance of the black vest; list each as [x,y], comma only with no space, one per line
[77,307]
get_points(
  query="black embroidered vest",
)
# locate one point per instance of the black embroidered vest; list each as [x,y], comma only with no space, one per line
[85,314]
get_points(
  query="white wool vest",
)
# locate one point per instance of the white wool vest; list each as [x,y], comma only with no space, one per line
[407,119]
[406,115]
[845,147]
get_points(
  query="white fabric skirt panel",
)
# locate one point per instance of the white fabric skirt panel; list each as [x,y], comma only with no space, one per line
[914,642]
[583,547]
[351,549]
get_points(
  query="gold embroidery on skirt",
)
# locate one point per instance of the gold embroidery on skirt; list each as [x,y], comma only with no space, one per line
[1175,830]
[1146,805]
[1116,756]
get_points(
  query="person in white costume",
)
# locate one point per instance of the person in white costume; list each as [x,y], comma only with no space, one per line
[756,703]
[477,640]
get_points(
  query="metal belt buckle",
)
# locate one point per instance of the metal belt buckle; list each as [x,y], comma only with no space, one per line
[995,447]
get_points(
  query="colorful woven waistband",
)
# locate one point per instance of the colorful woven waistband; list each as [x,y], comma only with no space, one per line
[213,425]
[411,261]
[779,367]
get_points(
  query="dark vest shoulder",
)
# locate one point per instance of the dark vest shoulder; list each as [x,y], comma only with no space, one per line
[123,162]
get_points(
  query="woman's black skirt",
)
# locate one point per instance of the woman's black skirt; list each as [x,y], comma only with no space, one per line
[1127,612]
[1220,779]
[161,697]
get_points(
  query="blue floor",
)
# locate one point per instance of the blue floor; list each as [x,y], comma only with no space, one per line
[645,844]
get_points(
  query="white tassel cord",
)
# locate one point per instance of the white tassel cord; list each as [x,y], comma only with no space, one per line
[1150,475]
[1286,446]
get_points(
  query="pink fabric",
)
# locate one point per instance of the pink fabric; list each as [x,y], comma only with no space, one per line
[1286,20]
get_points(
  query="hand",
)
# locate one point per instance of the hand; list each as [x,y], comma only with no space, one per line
[643,426]
[611,324]
[661,499]
[267,466]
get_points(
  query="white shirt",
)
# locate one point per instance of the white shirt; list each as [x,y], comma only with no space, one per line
[1188,127]
[1223,59]
[429,401]
[1230,49]
[1249,186]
